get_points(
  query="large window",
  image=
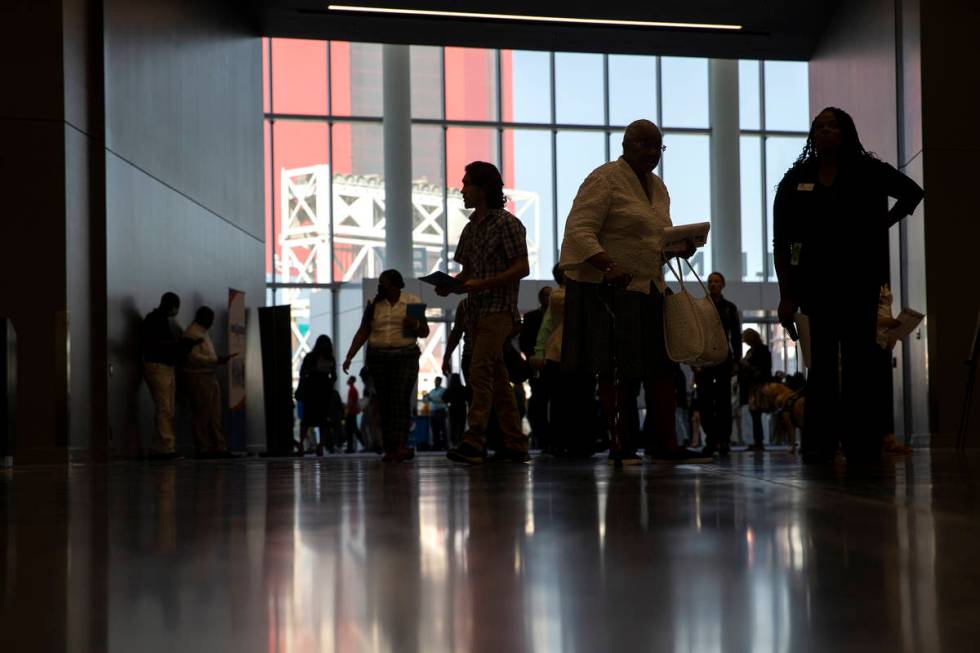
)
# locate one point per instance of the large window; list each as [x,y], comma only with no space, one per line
[546,119]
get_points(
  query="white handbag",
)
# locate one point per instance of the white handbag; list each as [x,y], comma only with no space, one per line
[693,332]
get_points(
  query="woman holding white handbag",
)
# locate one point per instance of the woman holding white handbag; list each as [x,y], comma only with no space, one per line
[613,257]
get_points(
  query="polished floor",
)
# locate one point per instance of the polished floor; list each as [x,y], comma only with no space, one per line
[347,554]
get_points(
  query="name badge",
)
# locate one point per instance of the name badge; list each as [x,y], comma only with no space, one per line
[794,253]
[804,187]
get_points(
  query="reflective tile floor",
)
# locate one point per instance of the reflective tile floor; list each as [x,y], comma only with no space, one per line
[347,554]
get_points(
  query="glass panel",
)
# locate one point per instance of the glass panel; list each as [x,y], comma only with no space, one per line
[687,173]
[299,76]
[301,187]
[632,89]
[579,153]
[750,161]
[358,200]
[311,317]
[528,178]
[787,95]
[463,145]
[685,92]
[350,309]
[525,81]
[269,199]
[266,100]
[781,152]
[748,94]
[355,79]
[428,221]
[578,88]
[426,67]
[471,84]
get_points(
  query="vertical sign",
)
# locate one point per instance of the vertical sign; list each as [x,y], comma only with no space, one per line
[236,369]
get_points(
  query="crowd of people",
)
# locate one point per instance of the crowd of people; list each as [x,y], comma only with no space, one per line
[597,338]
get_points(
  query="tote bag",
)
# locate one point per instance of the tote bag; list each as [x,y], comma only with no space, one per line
[693,332]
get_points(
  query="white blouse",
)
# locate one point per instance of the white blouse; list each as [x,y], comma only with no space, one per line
[612,213]
[386,327]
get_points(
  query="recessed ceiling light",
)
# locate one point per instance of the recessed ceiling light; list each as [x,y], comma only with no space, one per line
[532,19]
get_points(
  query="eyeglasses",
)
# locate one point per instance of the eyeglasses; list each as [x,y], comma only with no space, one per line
[649,145]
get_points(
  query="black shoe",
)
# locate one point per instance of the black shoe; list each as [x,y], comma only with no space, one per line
[171,456]
[466,453]
[817,458]
[625,458]
[708,450]
[755,447]
[510,456]
[680,457]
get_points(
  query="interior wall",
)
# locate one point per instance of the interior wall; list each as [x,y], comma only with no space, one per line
[184,185]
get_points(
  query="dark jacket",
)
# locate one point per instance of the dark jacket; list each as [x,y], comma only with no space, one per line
[732,323]
[161,340]
[755,369]
[529,331]
[814,224]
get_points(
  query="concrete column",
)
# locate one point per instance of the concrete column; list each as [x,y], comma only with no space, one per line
[398,159]
[726,202]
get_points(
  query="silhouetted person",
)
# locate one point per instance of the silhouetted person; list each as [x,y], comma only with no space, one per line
[613,257]
[755,370]
[393,354]
[199,374]
[493,252]
[353,408]
[455,397]
[437,413]
[537,403]
[715,383]
[835,199]
[163,348]
[317,376]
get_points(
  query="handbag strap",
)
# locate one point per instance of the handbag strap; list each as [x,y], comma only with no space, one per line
[680,279]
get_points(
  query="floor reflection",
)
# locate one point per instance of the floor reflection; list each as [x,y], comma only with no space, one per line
[345,554]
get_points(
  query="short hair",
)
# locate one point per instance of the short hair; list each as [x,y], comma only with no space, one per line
[169,300]
[487,176]
[394,277]
[716,272]
[542,289]
[204,315]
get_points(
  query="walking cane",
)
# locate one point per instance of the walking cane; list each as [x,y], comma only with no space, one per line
[614,419]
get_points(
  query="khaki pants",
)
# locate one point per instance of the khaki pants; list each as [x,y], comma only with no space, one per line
[205,396]
[162,382]
[490,383]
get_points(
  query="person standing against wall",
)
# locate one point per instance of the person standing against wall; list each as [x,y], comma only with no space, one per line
[200,378]
[835,199]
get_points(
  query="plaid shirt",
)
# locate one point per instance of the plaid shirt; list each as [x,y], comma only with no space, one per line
[486,249]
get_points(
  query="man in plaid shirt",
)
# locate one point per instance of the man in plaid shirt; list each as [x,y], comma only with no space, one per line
[493,252]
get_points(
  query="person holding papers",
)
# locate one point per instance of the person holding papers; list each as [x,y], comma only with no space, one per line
[613,256]
[493,252]
[391,326]
[830,249]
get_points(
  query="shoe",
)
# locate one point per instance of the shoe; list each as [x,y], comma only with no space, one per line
[319,451]
[399,455]
[680,457]
[466,453]
[157,457]
[510,455]
[755,447]
[349,451]
[724,450]
[708,450]
[625,459]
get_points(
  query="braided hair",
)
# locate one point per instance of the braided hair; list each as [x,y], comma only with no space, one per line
[851,147]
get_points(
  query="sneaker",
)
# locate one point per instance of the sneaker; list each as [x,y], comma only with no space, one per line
[680,457]
[625,459]
[510,455]
[467,453]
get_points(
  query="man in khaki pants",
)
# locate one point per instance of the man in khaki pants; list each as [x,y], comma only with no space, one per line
[162,350]
[493,252]
[199,375]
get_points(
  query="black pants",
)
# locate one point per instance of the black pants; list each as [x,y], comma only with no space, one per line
[570,404]
[758,435]
[437,423]
[351,431]
[842,394]
[537,411]
[715,404]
